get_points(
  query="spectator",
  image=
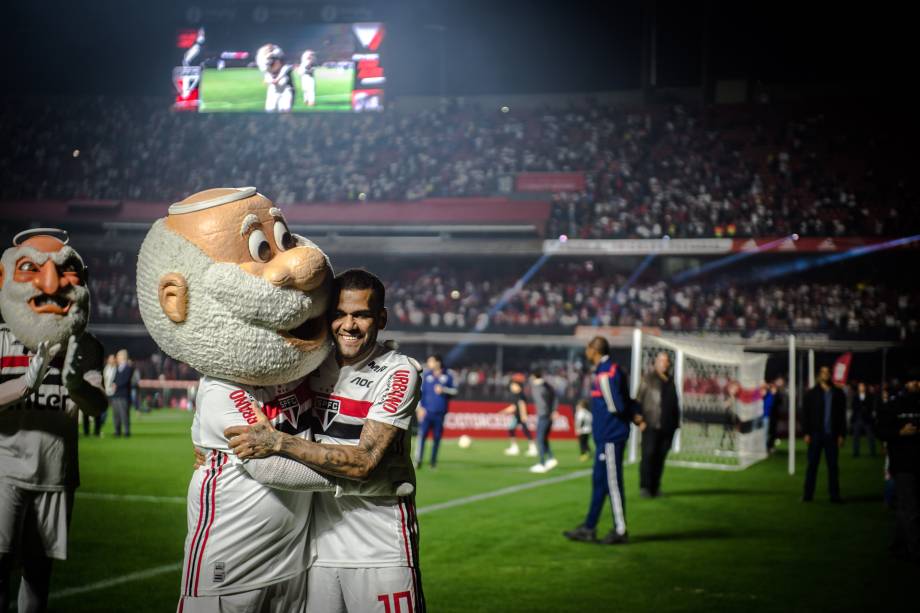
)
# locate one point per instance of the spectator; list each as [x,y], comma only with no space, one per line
[544,399]
[121,397]
[824,423]
[660,409]
[862,422]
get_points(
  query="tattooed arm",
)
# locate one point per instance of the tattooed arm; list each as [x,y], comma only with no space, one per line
[349,461]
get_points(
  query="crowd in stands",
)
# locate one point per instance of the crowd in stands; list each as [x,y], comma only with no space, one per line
[758,171]
[563,296]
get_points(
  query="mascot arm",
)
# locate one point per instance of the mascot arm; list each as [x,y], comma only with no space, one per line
[82,374]
[284,474]
[14,390]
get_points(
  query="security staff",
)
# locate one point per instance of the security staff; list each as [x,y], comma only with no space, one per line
[825,427]
[437,389]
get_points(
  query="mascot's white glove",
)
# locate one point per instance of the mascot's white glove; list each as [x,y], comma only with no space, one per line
[14,390]
[39,365]
[73,373]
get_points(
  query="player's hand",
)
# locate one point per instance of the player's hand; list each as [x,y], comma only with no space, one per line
[199,458]
[39,365]
[259,440]
[420,413]
[438,389]
[807,439]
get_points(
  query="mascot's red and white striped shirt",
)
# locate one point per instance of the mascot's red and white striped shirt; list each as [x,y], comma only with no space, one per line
[354,532]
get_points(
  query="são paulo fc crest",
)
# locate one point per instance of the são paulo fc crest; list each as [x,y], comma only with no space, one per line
[326,409]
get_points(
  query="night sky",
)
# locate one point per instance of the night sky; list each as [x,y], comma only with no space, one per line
[498,46]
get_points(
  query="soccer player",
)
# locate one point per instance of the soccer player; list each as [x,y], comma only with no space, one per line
[518,411]
[307,78]
[611,411]
[363,400]
[437,388]
[45,303]
[278,78]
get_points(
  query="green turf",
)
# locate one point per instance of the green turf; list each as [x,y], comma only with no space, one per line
[242,89]
[716,541]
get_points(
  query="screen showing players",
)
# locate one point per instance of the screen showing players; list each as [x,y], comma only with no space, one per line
[295,69]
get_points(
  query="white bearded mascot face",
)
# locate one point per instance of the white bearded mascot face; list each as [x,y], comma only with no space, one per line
[225,287]
[43,293]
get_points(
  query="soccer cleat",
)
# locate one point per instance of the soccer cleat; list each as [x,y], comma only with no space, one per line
[581,533]
[551,463]
[613,538]
[538,468]
[512,450]
[531,451]
[645,493]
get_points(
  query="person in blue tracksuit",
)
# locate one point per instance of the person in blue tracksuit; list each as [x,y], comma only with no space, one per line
[437,389]
[612,410]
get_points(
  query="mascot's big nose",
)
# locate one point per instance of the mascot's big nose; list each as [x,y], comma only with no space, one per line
[303,268]
[48,280]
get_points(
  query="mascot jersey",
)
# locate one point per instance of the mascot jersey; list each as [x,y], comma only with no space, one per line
[38,435]
[351,531]
[229,512]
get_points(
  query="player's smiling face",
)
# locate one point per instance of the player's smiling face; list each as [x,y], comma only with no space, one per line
[355,324]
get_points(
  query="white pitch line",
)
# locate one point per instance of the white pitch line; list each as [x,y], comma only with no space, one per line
[168,568]
[513,489]
[132,497]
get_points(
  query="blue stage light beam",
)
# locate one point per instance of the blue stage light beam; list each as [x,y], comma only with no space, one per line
[802,265]
[636,273]
[686,275]
[507,295]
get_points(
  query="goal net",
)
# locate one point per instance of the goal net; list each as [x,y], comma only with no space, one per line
[721,405]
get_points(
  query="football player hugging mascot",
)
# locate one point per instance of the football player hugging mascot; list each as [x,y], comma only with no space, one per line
[50,369]
[224,286]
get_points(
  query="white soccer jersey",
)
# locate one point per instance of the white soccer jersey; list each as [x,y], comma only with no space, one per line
[38,435]
[354,532]
[243,535]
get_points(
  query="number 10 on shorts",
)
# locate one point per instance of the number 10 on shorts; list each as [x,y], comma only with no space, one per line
[396,597]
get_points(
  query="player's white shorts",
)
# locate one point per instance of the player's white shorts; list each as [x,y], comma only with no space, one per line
[42,517]
[395,589]
[308,84]
[279,101]
[288,596]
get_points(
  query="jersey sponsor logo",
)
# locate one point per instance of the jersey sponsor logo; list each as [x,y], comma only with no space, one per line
[326,409]
[361,382]
[243,403]
[399,385]
[376,367]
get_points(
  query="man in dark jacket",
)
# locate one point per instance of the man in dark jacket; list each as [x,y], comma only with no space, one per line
[862,423]
[899,427]
[121,398]
[658,397]
[825,427]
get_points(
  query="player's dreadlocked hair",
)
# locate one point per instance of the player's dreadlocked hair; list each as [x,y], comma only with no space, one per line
[358,278]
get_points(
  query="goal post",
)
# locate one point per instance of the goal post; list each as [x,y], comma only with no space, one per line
[720,396]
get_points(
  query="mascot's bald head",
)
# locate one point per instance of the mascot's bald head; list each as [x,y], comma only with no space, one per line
[224,286]
[43,293]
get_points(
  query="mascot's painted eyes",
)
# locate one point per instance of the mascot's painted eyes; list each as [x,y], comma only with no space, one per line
[259,248]
[283,237]
[28,266]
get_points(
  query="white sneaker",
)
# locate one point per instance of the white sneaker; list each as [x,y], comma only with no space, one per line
[532,451]
[512,450]
[538,468]
[551,464]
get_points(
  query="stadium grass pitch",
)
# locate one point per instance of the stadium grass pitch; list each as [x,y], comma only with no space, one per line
[242,89]
[715,541]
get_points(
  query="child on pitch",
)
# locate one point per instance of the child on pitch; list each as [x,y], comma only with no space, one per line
[518,411]
[583,422]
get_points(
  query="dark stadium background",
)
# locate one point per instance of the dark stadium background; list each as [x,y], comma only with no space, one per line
[733,541]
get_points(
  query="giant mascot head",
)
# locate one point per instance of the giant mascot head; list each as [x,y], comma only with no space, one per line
[224,286]
[43,292]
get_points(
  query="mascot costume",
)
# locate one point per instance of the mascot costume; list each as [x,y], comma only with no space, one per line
[50,369]
[224,286]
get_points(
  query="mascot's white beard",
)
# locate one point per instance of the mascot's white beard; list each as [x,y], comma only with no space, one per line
[32,328]
[233,317]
